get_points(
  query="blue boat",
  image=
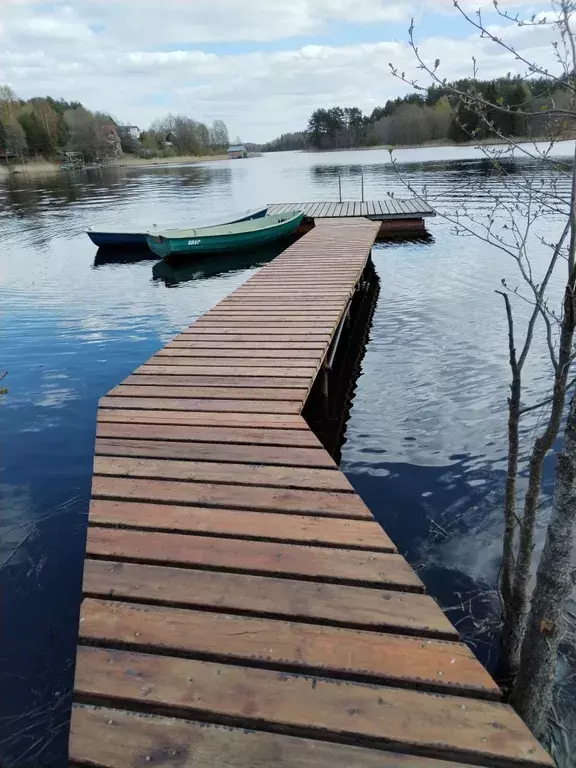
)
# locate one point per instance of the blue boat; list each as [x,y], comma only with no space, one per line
[119,236]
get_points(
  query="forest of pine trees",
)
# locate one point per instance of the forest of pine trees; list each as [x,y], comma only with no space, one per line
[435,115]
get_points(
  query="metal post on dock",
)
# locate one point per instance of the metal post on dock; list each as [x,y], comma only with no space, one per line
[362,178]
[339,187]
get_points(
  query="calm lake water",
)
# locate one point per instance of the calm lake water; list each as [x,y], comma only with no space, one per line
[426,437]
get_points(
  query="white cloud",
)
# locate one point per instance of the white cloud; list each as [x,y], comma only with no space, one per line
[122,56]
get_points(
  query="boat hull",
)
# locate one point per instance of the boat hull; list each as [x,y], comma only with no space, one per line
[105,239]
[204,243]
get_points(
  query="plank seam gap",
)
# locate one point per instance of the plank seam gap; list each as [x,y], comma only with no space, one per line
[239,482]
[378,629]
[422,686]
[314,733]
[388,584]
[205,505]
[387,549]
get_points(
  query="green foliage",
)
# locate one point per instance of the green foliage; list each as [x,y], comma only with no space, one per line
[44,126]
[218,134]
[286,143]
[442,113]
[38,139]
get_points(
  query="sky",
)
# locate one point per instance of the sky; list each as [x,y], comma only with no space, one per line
[262,66]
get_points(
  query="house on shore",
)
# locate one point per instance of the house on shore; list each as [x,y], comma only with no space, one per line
[111,144]
[131,131]
[237,151]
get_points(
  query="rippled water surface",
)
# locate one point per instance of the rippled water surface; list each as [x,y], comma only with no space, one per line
[425,441]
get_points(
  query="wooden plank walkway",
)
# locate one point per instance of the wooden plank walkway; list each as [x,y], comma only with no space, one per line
[377,210]
[242,609]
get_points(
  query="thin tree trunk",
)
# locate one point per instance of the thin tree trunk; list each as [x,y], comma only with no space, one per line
[554,582]
[507,566]
[508,557]
[542,444]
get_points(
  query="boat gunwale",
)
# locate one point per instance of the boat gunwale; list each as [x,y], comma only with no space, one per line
[200,232]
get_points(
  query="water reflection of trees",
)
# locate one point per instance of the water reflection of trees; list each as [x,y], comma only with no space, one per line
[29,196]
[475,166]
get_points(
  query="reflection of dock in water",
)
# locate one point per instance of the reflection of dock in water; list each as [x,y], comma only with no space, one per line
[242,608]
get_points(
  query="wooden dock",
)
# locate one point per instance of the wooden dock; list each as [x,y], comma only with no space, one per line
[396,216]
[242,609]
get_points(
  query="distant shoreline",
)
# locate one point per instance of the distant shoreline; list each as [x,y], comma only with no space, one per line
[440,144]
[126,161]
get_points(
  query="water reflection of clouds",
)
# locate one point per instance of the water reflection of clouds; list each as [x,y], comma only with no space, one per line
[16,523]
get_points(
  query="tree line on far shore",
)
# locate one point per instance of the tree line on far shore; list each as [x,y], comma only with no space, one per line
[47,128]
[438,115]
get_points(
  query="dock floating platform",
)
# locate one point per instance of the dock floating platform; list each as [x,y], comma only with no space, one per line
[242,608]
[397,216]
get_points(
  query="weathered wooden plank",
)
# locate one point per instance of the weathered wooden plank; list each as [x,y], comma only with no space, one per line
[234,304]
[255,354]
[111,738]
[432,664]
[311,209]
[233,524]
[184,358]
[325,292]
[245,474]
[231,332]
[154,368]
[280,343]
[212,393]
[216,382]
[252,305]
[335,604]
[247,436]
[347,566]
[201,418]
[249,346]
[234,319]
[337,281]
[275,305]
[253,323]
[222,452]
[209,406]
[405,719]
[320,503]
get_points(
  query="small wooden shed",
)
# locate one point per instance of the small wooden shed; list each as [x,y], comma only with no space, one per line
[237,151]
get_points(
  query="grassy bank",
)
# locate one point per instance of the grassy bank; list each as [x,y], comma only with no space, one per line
[130,160]
[32,169]
[126,161]
[442,143]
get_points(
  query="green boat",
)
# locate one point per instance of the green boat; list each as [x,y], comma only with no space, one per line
[226,237]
